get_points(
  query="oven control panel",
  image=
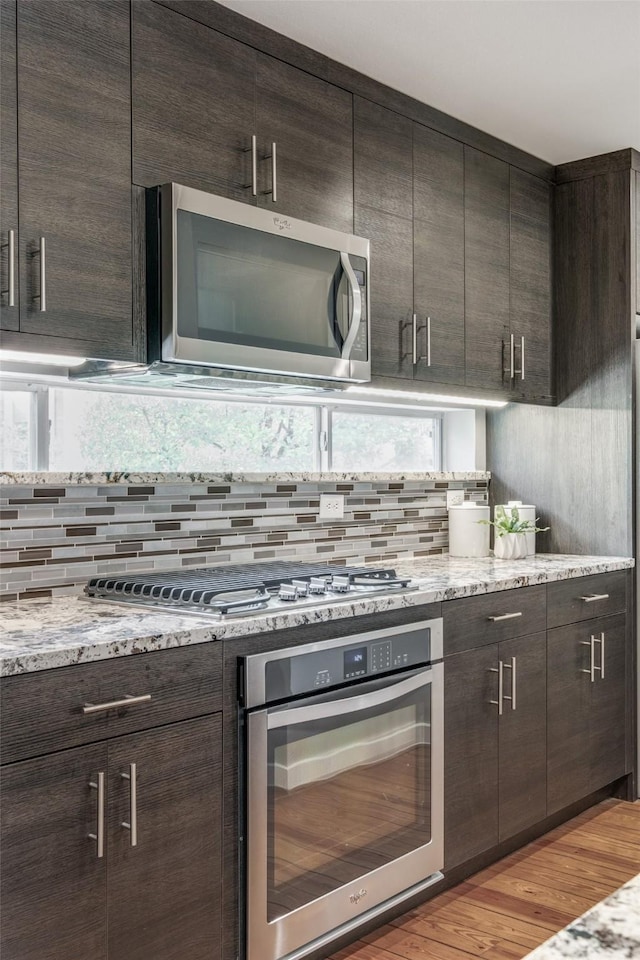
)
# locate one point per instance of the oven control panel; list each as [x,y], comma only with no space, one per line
[315,667]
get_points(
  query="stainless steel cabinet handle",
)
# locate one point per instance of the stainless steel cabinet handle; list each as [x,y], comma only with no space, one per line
[512,666]
[254,166]
[595,596]
[132,824]
[512,357]
[42,253]
[599,640]
[500,671]
[11,268]
[592,658]
[414,330]
[98,836]
[428,357]
[127,701]
[505,616]
[522,358]
[273,156]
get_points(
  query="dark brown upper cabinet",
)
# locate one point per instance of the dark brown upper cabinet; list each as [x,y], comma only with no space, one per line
[486,208]
[9,236]
[408,201]
[74,256]
[193,104]
[200,97]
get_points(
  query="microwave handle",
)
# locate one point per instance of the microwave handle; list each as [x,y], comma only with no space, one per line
[354,326]
[337,708]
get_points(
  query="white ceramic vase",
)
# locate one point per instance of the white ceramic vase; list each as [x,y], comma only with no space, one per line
[510,546]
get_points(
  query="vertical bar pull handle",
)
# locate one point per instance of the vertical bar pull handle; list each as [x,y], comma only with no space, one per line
[98,836]
[602,656]
[592,657]
[254,166]
[512,666]
[273,156]
[428,341]
[522,358]
[512,357]
[132,823]
[11,268]
[42,253]
[500,671]
[414,331]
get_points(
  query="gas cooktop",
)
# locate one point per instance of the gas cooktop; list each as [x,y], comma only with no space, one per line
[248,588]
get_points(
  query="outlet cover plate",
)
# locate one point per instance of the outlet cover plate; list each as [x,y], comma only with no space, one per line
[455,498]
[331,506]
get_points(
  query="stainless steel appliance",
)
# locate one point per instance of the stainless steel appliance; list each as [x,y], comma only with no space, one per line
[242,297]
[343,783]
[244,589]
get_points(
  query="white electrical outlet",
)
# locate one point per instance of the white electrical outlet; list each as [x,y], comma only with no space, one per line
[454,498]
[331,506]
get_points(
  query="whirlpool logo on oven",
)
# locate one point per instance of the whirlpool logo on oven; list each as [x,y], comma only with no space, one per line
[358,895]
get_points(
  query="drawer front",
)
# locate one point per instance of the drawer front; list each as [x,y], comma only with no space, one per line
[475,621]
[569,601]
[42,712]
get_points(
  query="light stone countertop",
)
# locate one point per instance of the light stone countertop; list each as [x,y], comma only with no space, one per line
[44,633]
[32,478]
[609,931]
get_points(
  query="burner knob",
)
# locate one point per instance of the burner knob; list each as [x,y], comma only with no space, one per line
[340,584]
[317,585]
[287,592]
[301,586]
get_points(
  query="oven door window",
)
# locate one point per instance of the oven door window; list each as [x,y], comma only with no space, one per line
[242,286]
[346,794]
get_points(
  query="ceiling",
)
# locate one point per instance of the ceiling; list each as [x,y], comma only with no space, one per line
[558,78]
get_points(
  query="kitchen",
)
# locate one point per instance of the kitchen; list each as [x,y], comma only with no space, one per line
[459,305]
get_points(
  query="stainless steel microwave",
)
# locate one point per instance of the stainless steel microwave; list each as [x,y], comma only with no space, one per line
[243,288]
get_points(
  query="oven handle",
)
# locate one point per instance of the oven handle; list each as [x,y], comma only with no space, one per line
[354,326]
[337,708]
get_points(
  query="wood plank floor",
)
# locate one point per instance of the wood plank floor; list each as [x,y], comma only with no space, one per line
[505,911]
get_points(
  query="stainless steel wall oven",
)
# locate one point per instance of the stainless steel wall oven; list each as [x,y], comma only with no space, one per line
[343,771]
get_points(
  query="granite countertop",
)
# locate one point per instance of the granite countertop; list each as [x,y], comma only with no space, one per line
[34,478]
[43,633]
[609,931]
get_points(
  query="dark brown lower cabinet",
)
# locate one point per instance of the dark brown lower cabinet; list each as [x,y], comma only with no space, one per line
[156,897]
[586,708]
[495,758]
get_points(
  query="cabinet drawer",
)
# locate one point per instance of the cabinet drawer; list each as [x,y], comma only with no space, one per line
[569,601]
[42,712]
[476,621]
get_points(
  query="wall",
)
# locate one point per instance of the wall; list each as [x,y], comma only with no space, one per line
[55,538]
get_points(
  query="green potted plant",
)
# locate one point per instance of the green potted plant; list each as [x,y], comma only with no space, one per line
[510,529]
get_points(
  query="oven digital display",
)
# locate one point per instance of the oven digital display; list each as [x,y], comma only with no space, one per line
[355,663]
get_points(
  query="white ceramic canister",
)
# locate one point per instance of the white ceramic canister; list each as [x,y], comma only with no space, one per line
[467,537]
[527,512]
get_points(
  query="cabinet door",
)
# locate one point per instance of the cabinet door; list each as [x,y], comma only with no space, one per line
[383,210]
[522,739]
[74,141]
[53,886]
[530,284]
[471,754]
[9,305]
[607,717]
[486,203]
[311,123]
[568,706]
[438,268]
[164,892]
[193,104]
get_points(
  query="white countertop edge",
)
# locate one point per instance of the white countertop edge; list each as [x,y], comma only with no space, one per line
[173,630]
[34,478]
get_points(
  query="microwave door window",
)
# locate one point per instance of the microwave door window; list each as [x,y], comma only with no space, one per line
[242,286]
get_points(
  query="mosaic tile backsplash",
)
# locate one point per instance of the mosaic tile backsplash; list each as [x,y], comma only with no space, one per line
[54,538]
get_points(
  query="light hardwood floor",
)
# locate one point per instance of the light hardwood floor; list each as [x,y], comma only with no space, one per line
[506,910]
